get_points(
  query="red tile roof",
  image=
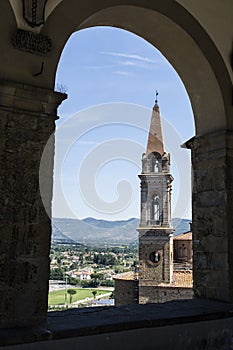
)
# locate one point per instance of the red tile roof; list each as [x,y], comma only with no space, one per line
[187,236]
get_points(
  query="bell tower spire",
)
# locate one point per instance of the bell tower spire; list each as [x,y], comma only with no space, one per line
[155,138]
[155,230]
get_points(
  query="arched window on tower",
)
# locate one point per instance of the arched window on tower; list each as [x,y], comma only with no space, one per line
[156,166]
[156,209]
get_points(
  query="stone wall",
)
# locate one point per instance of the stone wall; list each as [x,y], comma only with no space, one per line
[126,292]
[152,294]
[27,119]
[183,278]
[183,250]
[212,160]
[152,241]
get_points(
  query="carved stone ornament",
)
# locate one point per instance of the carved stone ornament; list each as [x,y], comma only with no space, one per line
[32,42]
[33,12]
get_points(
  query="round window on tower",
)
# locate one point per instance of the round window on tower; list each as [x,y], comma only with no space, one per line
[154,258]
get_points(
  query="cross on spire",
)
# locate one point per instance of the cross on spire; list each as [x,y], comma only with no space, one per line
[156,96]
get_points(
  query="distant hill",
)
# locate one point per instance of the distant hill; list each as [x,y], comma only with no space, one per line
[108,224]
[180,225]
[58,236]
[96,231]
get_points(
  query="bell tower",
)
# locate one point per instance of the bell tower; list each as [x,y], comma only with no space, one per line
[155,230]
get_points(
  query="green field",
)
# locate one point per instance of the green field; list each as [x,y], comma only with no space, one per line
[58,297]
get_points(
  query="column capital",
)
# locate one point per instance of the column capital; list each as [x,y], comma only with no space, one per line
[219,143]
[29,99]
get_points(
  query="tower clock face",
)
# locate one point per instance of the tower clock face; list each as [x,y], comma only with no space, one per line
[155,258]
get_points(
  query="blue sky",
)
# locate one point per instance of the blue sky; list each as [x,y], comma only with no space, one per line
[111,76]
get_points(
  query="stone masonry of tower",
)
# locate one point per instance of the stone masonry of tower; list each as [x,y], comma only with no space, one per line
[156,279]
[159,279]
[155,231]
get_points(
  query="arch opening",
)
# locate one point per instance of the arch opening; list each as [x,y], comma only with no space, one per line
[156,212]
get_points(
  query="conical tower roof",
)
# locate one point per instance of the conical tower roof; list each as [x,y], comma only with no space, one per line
[155,138]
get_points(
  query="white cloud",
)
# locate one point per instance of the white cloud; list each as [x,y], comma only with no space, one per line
[137,61]
[130,60]
[139,64]
[100,66]
[130,63]
[130,56]
[123,72]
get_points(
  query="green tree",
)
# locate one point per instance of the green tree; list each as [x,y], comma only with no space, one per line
[71,292]
[56,274]
[73,281]
[107,283]
[97,276]
[94,292]
[74,266]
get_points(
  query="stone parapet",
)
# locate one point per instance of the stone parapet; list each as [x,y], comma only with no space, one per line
[181,324]
[126,291]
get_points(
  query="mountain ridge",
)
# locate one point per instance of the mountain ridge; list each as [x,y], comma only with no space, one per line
[92,231]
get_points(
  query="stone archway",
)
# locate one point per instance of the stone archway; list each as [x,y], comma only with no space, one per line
[191,51]
[185,35]
[172,27]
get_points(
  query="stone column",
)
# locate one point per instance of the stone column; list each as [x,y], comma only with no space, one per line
[212,160]
[144,195]
[27,119]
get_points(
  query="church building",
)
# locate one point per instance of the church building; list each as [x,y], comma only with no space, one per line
[155,230]
[158,281]
[162,276]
